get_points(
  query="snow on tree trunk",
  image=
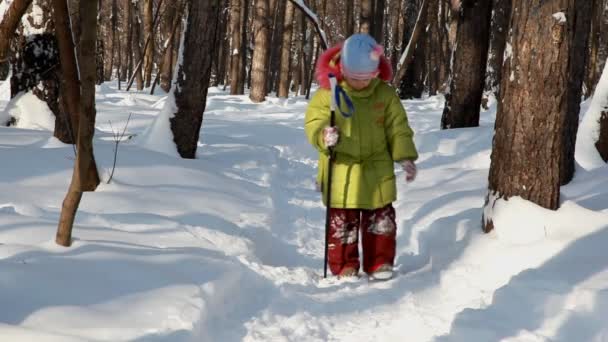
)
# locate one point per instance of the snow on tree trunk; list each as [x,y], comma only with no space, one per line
[463,99]
[193,75]
[531,132]
[501,11]
[592,135]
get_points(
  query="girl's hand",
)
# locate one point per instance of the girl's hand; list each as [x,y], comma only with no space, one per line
[330,136]
[409,167]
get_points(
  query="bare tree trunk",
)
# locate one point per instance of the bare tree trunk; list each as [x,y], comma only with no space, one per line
[193,75]
[593,70]
[260,52]
[376,30]
[498,40]
[235,49]
[523,122]
[166,69]
[349,18]
[298,38]
[85,177]
[242,75]
[410,49]
[218,71]
[286,51]
[463,100]
[578,39]
[148,32]
[274,61]
[166,65]
[602,142]
[128,32]
[9,24]
[114,27]
[137,50]
[366,16]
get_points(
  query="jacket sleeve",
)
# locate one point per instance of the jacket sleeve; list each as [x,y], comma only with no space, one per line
[317,117]
[398,131]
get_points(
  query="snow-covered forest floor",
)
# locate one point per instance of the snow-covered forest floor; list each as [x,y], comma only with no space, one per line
[229,246]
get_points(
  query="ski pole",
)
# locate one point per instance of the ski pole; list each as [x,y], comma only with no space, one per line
[332,121]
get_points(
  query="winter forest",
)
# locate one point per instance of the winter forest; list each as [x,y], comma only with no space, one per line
[171,168]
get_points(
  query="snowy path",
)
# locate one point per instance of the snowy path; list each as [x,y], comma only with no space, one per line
[229,247]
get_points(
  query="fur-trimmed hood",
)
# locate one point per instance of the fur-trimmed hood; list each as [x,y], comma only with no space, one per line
[329,63]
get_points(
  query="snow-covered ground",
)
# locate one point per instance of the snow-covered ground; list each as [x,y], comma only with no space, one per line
[229,247]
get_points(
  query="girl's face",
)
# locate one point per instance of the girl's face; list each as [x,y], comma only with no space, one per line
[358,84]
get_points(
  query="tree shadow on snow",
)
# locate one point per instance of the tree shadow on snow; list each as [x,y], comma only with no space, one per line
[522,306]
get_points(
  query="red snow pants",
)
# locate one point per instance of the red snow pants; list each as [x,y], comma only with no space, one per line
[378,233]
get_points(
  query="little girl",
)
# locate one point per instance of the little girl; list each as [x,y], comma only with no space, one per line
[366,145]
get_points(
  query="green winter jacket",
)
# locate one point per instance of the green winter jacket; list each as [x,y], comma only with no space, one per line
[376,136]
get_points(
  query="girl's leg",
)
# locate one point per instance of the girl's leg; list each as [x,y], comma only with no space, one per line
[379,229]
[343,242]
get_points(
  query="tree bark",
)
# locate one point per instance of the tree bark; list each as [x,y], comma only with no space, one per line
[578,37]
[166,65]
[377,29]
[9,24]
[128,32]
[137,49]
[463,100]
[261,32]
[366,16]
[166,68]
[602,142]
[594,68]
[498,40]
[412,40]
[84,177]
[286,51]
[349,19]
[148,32]
[193,75]
[235,48]
[529,140]
[242,75]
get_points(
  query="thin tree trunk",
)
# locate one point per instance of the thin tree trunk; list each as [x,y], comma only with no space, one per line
[8,26]
[166,68]
[128,31]
[463,100]
[498,40]
[286,51]
[137,49]
[579,39]
[274,61]
[366,16]
[242,75]
[531,131]
[166,63]
[298,35]
[114,25]
[260,52]
[378,23]
[349,18]
[140,58]
[235,48]
[84,177]
[408,53]
[193,75]
[593,72]
[149,49]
